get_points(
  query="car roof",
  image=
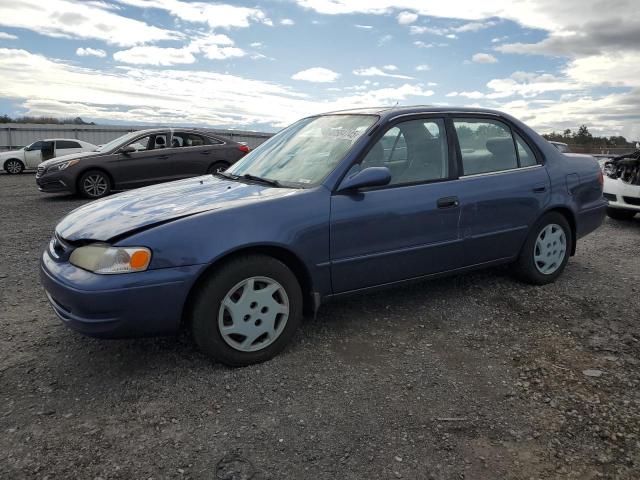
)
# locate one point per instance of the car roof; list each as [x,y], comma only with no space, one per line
[390,112]
[201,131]
[56,139]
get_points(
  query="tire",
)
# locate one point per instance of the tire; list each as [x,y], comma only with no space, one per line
[94,184]
[539,262]
[218,167]
[231,283]
[620,213]
[13,166]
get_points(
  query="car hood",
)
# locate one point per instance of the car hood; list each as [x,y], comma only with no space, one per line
[66,158]
[11,153]
[134,210]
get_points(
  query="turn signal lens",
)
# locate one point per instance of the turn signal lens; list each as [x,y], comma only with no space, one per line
[139,259]
[244,148]
[105,259]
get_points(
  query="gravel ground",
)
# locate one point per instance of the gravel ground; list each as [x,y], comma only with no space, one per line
[475,376]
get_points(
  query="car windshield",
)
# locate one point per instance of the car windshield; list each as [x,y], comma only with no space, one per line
[118,142]
[304,153]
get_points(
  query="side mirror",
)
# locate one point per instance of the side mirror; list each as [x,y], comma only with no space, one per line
[128,149]
[369,177]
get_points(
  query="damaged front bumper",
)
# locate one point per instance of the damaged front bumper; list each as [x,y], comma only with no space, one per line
[622,181]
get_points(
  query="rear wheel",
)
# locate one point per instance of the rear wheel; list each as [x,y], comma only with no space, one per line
[13,166]
[247,310]
[94,184]
[546,250]
[620,213]
[218,167]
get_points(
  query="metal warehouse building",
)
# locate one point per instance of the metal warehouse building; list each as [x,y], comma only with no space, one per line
[18,135]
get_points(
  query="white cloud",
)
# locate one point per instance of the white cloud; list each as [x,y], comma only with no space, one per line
[216,52]
[316,75]
[484,58]
[159,56]
[473,26]
[421,44]
[7,36]
[614,69]
[383,40]
[406,18]
[421,29]
[256,45]
[422,68]
[130,94]
[390,68]
[68,19]
[377,72]
[472,94]
[528,84]
[287,22]
[90,52]
[216,15]
[212,46]
[364,27]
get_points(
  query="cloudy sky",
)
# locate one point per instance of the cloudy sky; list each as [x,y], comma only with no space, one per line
[554,64]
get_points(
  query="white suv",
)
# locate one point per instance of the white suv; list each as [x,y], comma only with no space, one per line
[30,156]
[622,186]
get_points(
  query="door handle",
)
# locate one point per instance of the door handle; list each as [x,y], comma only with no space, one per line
[448,202]
[539,189]
[163,157]
[206,152]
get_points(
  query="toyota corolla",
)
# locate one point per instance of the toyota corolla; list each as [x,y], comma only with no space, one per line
[334,204]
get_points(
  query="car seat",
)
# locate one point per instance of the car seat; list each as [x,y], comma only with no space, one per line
[160,142]
[503,154]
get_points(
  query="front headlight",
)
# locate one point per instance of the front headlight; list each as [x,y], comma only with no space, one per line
[105,259]
[61,166]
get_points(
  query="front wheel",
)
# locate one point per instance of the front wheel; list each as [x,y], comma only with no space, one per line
[13,166]
[94,184]
[247,310]
[620,213]
[546,251]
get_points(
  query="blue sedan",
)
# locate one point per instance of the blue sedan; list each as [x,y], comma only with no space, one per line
[334,204]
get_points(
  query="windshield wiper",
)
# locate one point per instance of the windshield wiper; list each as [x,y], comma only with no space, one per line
[248,176]
[230,176]
[267,181]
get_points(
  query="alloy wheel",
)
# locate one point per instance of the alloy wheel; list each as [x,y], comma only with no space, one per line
[253,314]
[14,166]
[550,249]
[95,185]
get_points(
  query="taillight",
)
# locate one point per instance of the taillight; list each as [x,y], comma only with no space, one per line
[243,148]
[601,178]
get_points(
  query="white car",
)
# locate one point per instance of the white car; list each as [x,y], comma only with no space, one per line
[622,186]
[32,155]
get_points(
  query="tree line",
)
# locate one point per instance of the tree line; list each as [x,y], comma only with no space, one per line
[44,119]
[584,138]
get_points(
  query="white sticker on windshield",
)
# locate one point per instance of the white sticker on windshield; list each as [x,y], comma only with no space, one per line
[343,133]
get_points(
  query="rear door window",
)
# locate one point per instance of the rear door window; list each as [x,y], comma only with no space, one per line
[188,139]
[485,145]
[62,144]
